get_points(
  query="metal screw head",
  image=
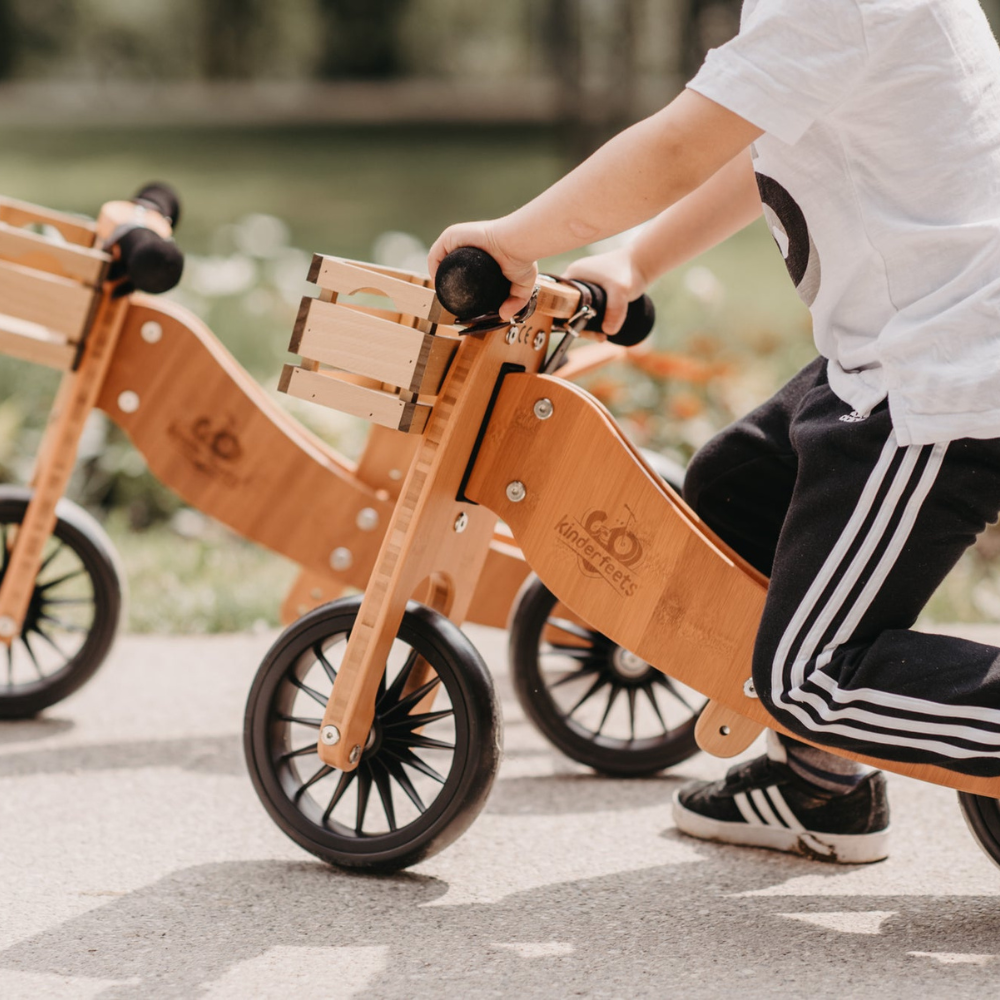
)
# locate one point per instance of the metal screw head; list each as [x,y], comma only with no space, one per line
[538,341]
[128,401]
[330,735]
[516,491]
[512,334]
[355,754]
[7,626]
[395,475]
[461,522]
[151,332]
[341,558]
[543,408]
[748,689]
[367,519]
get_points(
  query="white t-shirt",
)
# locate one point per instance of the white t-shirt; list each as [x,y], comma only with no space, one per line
[880,175]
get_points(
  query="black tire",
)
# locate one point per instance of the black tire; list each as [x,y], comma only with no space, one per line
[74,611]
[568,679]
[982,815]
[328,812]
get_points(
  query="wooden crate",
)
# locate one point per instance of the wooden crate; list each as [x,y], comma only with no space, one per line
[50,277]
[384,363]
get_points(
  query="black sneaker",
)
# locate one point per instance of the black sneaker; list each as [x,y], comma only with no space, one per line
[763,803]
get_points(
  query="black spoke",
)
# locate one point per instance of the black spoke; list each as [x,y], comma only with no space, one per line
[61,579]
[312,723]
[364,788]
[408,757]
[315,695]
[631,712]
[402,779]
[60,545]
[346,777]
[426,742]
[48,638]
[571,628]
[574,675]
[10,665]
[68,600]
[384,786]
[588,694]
[424,719]
[6,549]
[665,682]
[615,691]
[585,654]
[651,695]
[324,770]
[328,667]
[65,626]
[31,653]
[413,698]
[395,689]
[301,752]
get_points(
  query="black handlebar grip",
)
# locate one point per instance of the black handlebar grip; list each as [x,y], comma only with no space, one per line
[639,318]
[164,199]
[469,283]
[152,263]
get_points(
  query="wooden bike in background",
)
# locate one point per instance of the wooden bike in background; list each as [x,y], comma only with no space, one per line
[372,734]
[208,431]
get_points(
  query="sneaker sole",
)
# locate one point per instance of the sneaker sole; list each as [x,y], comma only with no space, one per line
[833,848]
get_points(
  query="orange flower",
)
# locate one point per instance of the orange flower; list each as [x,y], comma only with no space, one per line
[686,405]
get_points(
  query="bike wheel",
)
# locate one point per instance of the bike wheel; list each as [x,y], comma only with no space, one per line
[441,759]
[570,680]
[982,816]
[73,614]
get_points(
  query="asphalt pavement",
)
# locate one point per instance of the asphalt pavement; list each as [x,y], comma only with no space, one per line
[138,863]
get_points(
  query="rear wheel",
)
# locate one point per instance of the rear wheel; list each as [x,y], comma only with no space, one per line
[426,769]
[982,815]
[73,614]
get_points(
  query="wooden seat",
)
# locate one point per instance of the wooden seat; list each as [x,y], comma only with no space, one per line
[381,363]
[50,275]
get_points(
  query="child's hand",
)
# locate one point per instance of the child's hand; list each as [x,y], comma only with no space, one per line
[484,235]
[617,274]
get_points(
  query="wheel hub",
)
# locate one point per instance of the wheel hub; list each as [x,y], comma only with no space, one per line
[628,665]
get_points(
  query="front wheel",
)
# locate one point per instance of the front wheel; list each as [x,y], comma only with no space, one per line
[73,614]
[982,815]
[426,769]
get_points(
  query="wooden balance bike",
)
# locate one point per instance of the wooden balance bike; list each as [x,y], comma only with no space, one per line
[383,697]
[209,432]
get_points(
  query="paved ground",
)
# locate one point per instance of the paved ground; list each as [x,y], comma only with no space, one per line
[138,863]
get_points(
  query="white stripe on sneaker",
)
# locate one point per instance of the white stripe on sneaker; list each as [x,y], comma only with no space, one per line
[783,809]
[746,810]
[759,799]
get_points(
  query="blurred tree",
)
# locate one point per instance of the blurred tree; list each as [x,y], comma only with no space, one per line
[9,38]
[228,32]
[361,38]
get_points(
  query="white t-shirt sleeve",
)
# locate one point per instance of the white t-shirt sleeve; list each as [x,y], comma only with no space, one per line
[792,61]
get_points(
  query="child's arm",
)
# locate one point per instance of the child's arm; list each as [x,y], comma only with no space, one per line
[726,203]
[631,178]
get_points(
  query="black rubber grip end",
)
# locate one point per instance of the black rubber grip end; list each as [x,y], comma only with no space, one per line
[470,283]
[152,263]
[164,199]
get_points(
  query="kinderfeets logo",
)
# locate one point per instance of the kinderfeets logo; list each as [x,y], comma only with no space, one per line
[605,546]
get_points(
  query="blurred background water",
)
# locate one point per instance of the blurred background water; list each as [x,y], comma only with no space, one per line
[362,128]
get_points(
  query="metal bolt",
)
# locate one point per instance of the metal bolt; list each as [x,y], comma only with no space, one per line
[512,334]
[395,475]
[543,408]
[538,341]
[355,754]
[461,522]
[341,558]
[7,626]
[367,519]
[723,730]
[128,401]
[330,735]
[516,491]
[748,689]
[151,332]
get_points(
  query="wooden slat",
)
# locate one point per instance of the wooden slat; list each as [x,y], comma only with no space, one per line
[34,343]
[368,345]
[347,279]
[59,304]
[327,389]
[68,260]
[74,228]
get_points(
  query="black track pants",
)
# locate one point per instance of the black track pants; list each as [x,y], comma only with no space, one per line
[856,534]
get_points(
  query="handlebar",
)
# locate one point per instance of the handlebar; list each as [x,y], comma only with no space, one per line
[471,284]
[147,259]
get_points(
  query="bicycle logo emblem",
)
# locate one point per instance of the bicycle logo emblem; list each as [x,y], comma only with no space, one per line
[211,448]
[605,548]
